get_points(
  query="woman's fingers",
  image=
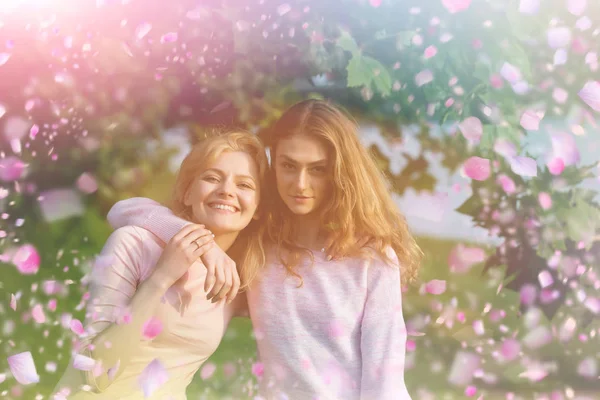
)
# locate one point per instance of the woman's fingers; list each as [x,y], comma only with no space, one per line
[235,285]
[220,280]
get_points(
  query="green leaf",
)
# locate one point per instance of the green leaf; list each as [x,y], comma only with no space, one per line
[471,206]
[364,71]
[347,42]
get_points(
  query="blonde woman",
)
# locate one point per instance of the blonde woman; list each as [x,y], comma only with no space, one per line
[149,324]
[325,329]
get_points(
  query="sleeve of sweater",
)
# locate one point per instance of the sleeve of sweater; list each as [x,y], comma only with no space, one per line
[147,214]
[383,335]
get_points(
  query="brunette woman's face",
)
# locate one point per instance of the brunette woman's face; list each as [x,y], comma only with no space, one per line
[302,171]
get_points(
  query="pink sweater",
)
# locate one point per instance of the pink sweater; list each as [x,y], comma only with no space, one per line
[340,336]
[192,327]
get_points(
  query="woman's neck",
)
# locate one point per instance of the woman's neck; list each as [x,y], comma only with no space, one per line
[308,228]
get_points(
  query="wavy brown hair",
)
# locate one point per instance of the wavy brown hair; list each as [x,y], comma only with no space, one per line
[248,250]
[360,204]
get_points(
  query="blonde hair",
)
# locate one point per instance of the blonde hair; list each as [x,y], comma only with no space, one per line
[360,203]
[248,251]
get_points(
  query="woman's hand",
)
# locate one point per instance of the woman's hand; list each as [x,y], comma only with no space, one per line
[222,275]
[190,243]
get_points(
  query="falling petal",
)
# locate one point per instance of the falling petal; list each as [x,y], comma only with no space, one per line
[559,37]
[258,369]
[83,363]
[13,302]
[477,168]
[142,30]
[207,371]
[435,286]
[590,94]
[462,258]
[530,120]
[510,349]
[560,57]
[545,279]
[16,128]
[57,204]
[560,95]
[576,7]
[545,200]
[152,328]
[169,37]
[27,260]
[556,166]
[38,314]
[283,9]
[588,368]
[34,131]
[430,52]
[87,183]
[567,329]
[4,58]
[152,377]
[565,148]
[463,367]
[508,185]
[534,374]
[423,77]
[23,368]
[454,6]
[529,6]
[505,148]
[537,337]
[511,73]
[523,166]
[472,129]
[77,327]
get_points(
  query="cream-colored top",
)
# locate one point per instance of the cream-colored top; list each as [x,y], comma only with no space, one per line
[192,327]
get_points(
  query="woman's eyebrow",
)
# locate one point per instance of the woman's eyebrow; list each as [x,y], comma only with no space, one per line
[291,160]
[222,173]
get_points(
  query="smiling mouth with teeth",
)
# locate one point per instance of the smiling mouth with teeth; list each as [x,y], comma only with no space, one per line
[223,207]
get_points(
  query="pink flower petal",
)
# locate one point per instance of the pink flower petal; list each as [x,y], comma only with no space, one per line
[76,327]
[508,185]
[454,6]
[38,314]
[560,95]
[23,368]
[258,369]
[142,30]
[556,166]
[13,302]
[537,337]
[463,367]
[511,73]
[435,286]
[576,7]
[590,94]
[505,147]
[545,200]
[87,183]
[565,148]
[477,168]
[430,52]
[567,329]
[207,371]
[152,377]
[588,368]
[57,204]
[523,166]
[152,328]
[423,77]
[12,169]
[534,374]
[4,57]
[16,128]
[83,363]
[169,37]
[510,349]
[545,279]
[472,129]
[27,260]
[462,258]
[559,37]
[530,120]
[529,6]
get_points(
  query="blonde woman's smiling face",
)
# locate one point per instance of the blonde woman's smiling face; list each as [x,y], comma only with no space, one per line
[225,195]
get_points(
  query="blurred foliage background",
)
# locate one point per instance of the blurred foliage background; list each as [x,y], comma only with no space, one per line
[100,99]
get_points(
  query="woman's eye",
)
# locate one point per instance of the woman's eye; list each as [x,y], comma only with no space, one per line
[211,179]
[287,165]
[319,170]
[245,186]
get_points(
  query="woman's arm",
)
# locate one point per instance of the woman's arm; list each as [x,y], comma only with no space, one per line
[121,303]
[222,275]
[383,336]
